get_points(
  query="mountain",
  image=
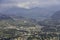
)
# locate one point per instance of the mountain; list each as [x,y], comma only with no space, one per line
[56,15]
[35,13]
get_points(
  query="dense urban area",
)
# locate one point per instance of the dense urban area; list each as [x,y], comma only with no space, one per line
[22,28]
[29,19]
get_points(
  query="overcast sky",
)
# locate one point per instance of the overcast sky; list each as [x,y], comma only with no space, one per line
[28,3]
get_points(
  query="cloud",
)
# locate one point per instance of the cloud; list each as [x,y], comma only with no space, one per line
[29,3]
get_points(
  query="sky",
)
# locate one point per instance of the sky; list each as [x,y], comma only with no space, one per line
[28,3]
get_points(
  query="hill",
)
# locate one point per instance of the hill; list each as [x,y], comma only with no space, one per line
[52,24]
[56,15]
[4,17]
[11,21]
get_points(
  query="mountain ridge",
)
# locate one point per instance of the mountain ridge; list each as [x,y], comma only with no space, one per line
[32,13]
